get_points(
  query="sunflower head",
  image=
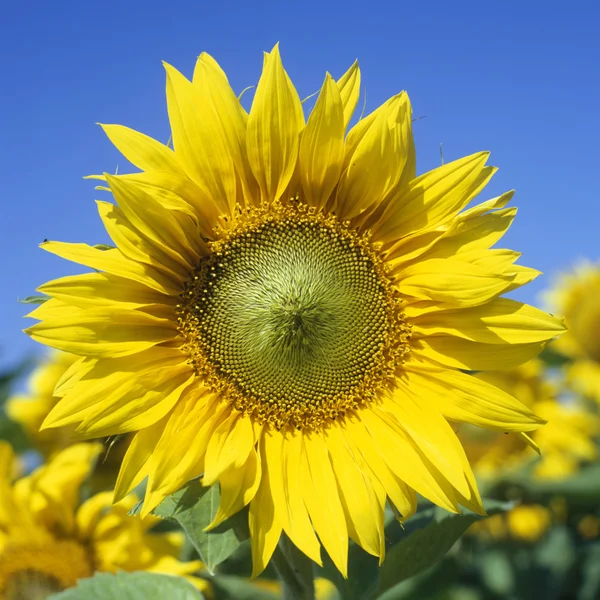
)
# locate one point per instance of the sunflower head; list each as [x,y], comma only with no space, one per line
[288,309]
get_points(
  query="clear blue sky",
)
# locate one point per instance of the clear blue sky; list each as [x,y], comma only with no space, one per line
[521,79]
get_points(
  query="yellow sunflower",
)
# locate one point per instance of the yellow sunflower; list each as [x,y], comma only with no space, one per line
[526,523]
[30,409]
[48,540]
[565,442]
[288,311]
[576,295]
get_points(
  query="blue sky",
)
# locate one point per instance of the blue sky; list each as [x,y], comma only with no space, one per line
[519,79]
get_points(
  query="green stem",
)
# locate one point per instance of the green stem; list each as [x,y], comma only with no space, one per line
[295,571]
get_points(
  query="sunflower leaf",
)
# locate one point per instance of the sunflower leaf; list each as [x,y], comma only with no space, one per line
[130,586]
[424,547]
[194,508]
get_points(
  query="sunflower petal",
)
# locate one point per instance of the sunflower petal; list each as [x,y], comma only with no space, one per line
[349,87]
[322,146]
[273,132]
[141,150]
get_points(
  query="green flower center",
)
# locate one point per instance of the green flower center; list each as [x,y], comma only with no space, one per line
[292,319]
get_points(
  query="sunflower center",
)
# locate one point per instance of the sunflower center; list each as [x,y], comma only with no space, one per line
[35,571]
[292,317]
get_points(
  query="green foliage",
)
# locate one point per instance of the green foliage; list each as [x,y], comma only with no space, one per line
[130,586]
[35,299]
[412,548]
[194,508]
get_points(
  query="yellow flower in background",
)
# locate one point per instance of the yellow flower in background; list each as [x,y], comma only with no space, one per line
[576,295]
[526,523]
[30,409]
[565,441]
[48,540]
[289,311]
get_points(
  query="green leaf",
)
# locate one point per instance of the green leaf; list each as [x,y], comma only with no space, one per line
[553,358]
[582,489]
[230,587]
[130,586]
[194,508]
[424,547]
[12,432]
[363,569]
[35,299]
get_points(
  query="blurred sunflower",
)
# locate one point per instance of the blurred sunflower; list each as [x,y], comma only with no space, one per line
[576,295]
[289,309]
[525,523]
[48,541]
[30,410]
[566,441]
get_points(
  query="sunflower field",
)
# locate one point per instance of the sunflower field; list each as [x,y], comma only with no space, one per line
[297,371]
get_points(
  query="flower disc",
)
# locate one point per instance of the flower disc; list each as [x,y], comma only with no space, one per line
[294,319]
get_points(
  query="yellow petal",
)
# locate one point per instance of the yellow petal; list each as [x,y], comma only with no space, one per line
[101,289]
[423,423]
[228,447]
[178,192]
[134,468]
[322,146]
[112,261]
[103,333]
[265,526]
[138,403]
[98,380]
[433,197]
[319,489]
[198,140]
[349,87]
[135,247]
[475,356]
[475,233]
[376,164]
[412,469]
[297,525]
[468,399]
[501,321]
[238,486]
[401,496]
[452,283]
[140,150]
[157,224]
[364,517]
[213,87]
[273,132]
[179,454]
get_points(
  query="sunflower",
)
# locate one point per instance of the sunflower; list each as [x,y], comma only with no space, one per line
[525,523]
[288,312]
[576,295]
[48,540]
[31,408]
[565,442]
